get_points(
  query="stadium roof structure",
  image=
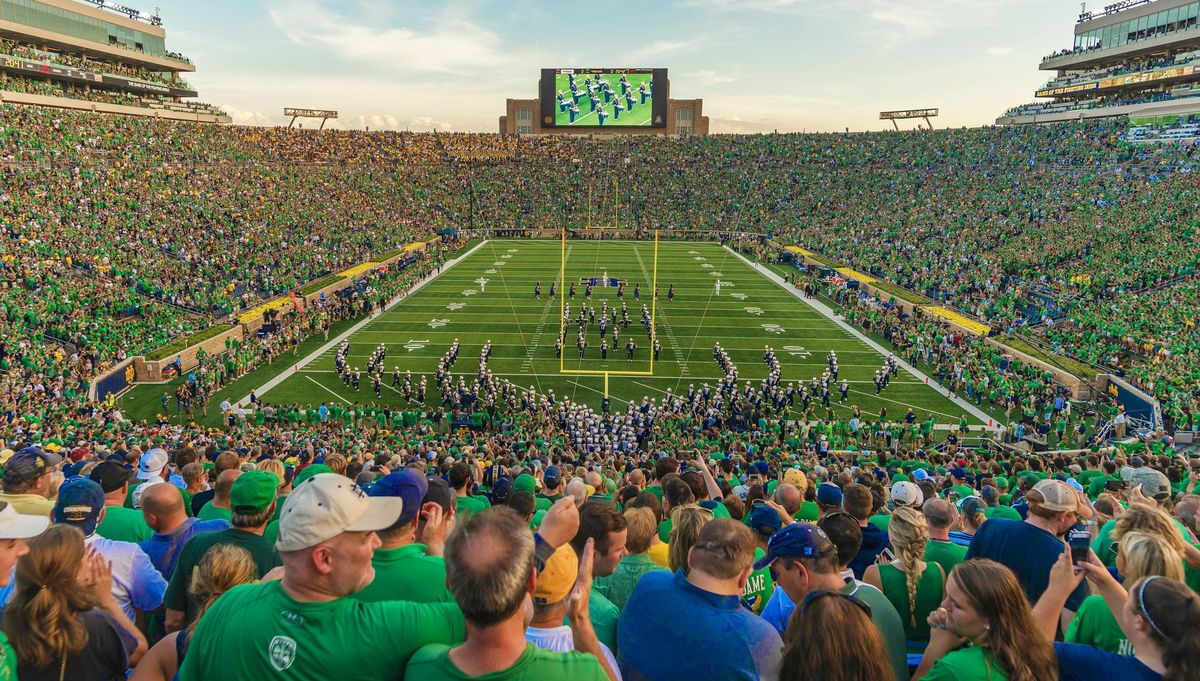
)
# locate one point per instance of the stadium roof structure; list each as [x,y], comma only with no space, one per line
[1136,58]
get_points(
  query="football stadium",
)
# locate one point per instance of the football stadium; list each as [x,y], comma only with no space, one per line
[624,390]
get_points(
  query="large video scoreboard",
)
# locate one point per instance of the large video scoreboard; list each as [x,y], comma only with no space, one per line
[604,98]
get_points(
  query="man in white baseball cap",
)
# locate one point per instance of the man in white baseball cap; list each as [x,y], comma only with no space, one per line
[300,623]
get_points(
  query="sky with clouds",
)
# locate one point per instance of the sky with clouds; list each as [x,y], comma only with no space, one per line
[759,65]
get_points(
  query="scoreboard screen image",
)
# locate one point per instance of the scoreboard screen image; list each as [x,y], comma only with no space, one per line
[604,98]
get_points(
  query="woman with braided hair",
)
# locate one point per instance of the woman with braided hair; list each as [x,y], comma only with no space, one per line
[913,585]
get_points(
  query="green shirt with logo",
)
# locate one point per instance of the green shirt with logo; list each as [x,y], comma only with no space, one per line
[759,586]
[432,663]
[258,631]
[407,573]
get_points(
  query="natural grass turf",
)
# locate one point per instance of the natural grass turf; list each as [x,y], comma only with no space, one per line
[750,313]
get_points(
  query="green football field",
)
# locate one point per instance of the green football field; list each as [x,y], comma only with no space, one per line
[639,115]
[488,295]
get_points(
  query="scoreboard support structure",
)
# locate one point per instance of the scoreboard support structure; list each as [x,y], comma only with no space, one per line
[906,114]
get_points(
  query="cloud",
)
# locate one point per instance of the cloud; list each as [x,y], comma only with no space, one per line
[242,117]
[450,45]
[999,51]
[710,77]
[660,47]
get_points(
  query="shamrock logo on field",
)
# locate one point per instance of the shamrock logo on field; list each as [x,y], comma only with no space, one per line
[736,296]
[699,258]
[435,323]
[707,265]
[754,310]
[505,256]
[513,250]
[499,263]
[469,292]
[455,306]
[692,252]
[772,328]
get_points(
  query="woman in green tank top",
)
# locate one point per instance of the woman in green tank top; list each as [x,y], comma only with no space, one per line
[912,585]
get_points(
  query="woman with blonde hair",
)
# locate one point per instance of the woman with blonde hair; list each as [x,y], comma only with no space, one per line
[913,585]
[63,621]
[686,523]
[831,637]
[985,629]
[222,568]
[1139,555]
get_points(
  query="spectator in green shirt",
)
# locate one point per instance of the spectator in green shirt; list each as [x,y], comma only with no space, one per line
[618,586]
[490,570]
[405,569]
[119,523]
[300,625]
[603,524]
[941,515]
[460,477]
[219,507]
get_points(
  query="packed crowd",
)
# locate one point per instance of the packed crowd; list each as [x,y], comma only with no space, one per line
[16,49]
[502,558]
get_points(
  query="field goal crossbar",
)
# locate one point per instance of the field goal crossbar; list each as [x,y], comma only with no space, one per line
[562,291]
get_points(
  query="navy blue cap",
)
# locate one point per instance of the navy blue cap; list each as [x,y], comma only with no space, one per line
[761,467]
[958,473]
[798,540]
[30,463]
[552,476]
[501,491]
[829,494]
[764,520]
[407,484]
[79,503]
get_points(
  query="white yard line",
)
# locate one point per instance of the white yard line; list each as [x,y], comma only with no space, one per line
[833,317]
[316,354]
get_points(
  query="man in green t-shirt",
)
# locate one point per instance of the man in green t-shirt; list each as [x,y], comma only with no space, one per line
[300,626]
[220,506]
[941,516]
[252,500]
[491,549]
[119,523]
[406,570]
[460,478]
[607,529]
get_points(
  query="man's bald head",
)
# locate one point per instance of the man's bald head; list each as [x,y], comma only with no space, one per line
[939,512]
[162,507]
[225,484]
[789,497]
[595,480]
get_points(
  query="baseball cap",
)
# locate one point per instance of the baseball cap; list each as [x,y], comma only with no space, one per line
[798,540]
[524,483]
[79,503]
[795,476]
[152,463]
[110,475]
[764,520]
[920,475]
[971,505]
[408,485]
[957,472]
[253,492]
[440,494]
[829,494]
[1058,496]
[1154,484]
[552,476]
[907,494]
[328,505]
[14,525]
[30,463]
[309,471]
[554,582]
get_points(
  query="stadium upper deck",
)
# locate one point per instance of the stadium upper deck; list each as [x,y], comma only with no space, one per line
[65,53]
[1138,58]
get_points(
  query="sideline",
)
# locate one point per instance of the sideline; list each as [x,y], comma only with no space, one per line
[837,319]
[334,342]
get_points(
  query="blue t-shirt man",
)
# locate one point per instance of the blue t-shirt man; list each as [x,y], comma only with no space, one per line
[164,549]
[1028,551]
[671,630]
